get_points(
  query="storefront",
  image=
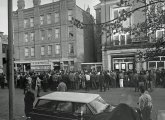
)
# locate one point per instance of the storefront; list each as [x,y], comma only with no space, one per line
[22,66]
[92,66]
[42,65]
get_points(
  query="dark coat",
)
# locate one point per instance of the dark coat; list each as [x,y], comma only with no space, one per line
[29,100]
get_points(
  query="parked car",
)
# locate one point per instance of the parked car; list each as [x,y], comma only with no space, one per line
[69,106]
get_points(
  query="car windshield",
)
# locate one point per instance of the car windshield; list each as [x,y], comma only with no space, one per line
[98,105]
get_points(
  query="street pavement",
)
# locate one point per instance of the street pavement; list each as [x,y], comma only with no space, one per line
[113,96]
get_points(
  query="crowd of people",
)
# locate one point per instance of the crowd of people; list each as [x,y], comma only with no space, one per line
[75,80]
[87,80]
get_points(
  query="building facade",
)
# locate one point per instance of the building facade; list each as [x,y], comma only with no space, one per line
[3,52]
[119,50]
[45,38]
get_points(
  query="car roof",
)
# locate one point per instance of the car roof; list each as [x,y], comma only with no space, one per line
[71,96]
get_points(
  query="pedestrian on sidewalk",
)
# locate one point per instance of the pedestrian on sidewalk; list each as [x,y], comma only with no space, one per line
[62,86]
[2,80]
[38,86]
[29,100]
[145,104]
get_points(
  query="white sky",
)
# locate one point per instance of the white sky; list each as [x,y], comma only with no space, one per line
[29,3]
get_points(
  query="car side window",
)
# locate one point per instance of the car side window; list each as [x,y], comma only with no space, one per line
[45,104]
[81,108]
[64,107]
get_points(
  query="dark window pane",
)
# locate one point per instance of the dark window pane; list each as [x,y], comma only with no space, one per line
[152,64]
[116,14]
[129,39]
[116,40]
[160,64]
[122,39]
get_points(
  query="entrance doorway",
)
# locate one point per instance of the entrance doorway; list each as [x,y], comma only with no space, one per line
[56,66]
[124,64]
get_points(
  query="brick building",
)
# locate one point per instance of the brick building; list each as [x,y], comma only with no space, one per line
[3,52]
[119,51]
[44,37]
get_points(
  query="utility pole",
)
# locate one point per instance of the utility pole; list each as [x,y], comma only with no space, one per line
[10,73]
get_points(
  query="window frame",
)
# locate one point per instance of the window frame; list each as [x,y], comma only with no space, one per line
[57,33]
[49,49]
[49,34]
[26,22]
[57,17]
[71,48]
[70,31]
[32,36]
[42,50]
[57,49]
[26,37]
[32,51]
[49,16]
[26,52]
[41,19]
[32,22]
[70,14]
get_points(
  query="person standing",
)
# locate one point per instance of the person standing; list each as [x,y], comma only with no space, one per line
[102,82]
[2,80]
[113,77]
[28,101]
[38,86]
[87,76]
[62,86]
[121,78]
[136,81]
[145,104]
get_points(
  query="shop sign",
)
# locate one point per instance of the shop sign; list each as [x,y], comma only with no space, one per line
[40,63]
[41,67]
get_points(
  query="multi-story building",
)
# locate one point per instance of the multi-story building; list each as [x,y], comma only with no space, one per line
[45,38]
[3,52]
[119,50]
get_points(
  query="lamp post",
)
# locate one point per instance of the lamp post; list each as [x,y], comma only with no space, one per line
[10,73]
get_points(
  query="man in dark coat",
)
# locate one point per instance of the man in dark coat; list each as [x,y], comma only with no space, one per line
[2,80]
[29,100]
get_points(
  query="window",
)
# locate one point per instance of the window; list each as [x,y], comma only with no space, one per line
[42,34]
[49,49]
[159,34]
[26,37]
[71,48]
[57,17]
[32,36]
[129,40]
[4,48]
[57,33]
[116,39]
[65,107]
[122,39]
[70,13]
[49,34]
[25,23]
[41,19]
[32,22]
[70,31]
[42,50]
[32,52]
[26,52]
[117,13]
[49,18]
[57,49]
